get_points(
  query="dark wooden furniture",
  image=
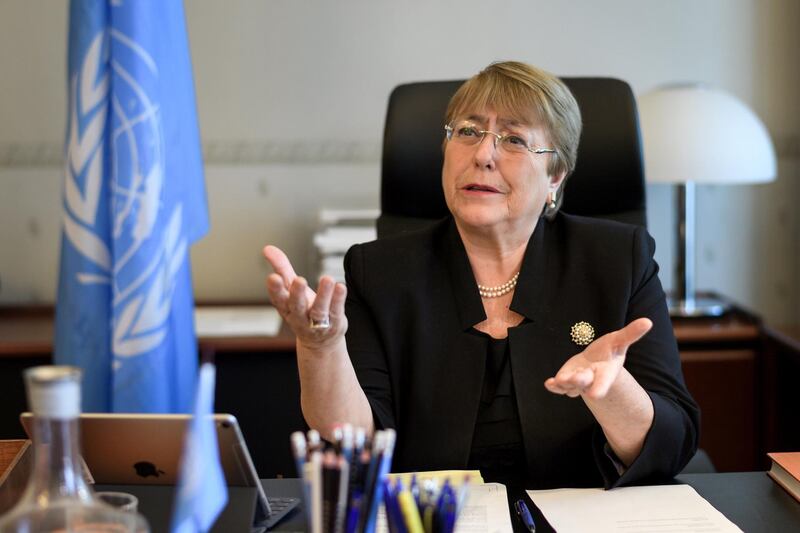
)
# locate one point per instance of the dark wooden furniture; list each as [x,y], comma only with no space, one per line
[781,371]
[721,359]
[257,381]
[16,465]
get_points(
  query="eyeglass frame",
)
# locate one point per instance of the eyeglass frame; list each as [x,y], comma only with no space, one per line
[498,138]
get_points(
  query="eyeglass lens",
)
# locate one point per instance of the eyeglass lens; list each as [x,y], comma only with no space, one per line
[469,133]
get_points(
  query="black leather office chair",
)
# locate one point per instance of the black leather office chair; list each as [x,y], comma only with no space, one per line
[608,181]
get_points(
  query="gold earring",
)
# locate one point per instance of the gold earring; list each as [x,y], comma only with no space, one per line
[552,200]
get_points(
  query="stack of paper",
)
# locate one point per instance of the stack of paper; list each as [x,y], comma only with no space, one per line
[339,230]
[673,508]
[236,321]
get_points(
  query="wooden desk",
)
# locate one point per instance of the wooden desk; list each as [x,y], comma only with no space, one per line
[751,500]
[26,331]
[257,382]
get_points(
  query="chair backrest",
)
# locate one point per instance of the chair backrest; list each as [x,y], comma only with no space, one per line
[608,181]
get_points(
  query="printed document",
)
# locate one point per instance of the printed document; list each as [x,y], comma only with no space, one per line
[674,508]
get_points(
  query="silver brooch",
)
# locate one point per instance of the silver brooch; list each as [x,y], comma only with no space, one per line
[582,333]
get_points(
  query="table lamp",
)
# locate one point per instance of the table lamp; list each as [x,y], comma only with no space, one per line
[697,135]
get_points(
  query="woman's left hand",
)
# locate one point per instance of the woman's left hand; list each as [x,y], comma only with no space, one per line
[592,372]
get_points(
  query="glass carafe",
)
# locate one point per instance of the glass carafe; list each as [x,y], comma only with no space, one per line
[57,497]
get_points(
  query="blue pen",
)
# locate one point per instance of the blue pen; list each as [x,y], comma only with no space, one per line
[384,446]
[525,515]
[394,514]
[353,512]
[372,486]
[445,508]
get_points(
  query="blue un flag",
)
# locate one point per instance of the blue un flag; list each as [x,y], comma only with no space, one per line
[134,201]
[202,493]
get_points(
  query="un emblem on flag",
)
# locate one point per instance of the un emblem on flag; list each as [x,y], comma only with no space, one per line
[116,216]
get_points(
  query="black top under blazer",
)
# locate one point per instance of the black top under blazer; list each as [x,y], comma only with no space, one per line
[413,299]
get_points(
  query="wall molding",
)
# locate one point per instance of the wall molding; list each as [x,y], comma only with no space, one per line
[244,153]
[252,152]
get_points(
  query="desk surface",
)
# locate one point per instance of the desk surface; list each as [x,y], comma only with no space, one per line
[28,331]
[751,500]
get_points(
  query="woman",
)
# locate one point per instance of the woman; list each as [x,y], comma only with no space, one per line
[501,338]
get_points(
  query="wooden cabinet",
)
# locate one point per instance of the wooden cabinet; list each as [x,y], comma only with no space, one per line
[721,365]
[257,382]
[781,371]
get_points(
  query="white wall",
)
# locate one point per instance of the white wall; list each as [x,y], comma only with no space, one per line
[292,97]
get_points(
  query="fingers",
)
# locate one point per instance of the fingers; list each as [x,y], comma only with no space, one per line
[306,317]
[298,304]
[593,372]
[631,333]
[320,310]
[278,293]
[280,263]
[571,381]
[604,377]
[305,311]
[283,268]
[337,303]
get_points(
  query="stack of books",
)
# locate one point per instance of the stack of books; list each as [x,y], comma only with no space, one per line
[786,471]
[339,230]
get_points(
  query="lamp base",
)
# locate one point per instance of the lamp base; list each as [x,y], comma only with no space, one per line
[703,306]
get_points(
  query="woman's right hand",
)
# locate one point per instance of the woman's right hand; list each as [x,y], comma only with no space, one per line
[305,311]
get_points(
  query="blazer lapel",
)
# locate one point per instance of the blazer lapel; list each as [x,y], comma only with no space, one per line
[458,369]
[538,350]
[469,307]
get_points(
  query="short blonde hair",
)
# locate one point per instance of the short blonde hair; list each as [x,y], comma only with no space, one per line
[529,95]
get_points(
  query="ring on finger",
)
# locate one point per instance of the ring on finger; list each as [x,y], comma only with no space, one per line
[323,323]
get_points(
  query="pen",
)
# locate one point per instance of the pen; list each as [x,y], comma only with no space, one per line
[341,506]
[300,455]
[314,442]
[409,512]
[313,475]
[525,515]
[331,475]
[353,512]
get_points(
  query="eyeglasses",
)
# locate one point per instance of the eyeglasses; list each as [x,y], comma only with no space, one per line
[468,133]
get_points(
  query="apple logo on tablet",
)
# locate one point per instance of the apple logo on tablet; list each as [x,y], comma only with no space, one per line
[146,468]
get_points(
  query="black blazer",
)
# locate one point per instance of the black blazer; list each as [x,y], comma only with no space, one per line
[412,300]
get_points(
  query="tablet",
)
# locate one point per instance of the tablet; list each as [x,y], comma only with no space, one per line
[145,449]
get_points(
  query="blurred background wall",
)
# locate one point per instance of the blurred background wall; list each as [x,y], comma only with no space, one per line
[292,97]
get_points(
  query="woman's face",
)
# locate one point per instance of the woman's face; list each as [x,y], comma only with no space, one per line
[488,187]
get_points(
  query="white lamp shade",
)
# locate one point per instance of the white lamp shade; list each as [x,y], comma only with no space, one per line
[693,133]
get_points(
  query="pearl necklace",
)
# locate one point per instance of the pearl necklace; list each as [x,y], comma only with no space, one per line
[500,290]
